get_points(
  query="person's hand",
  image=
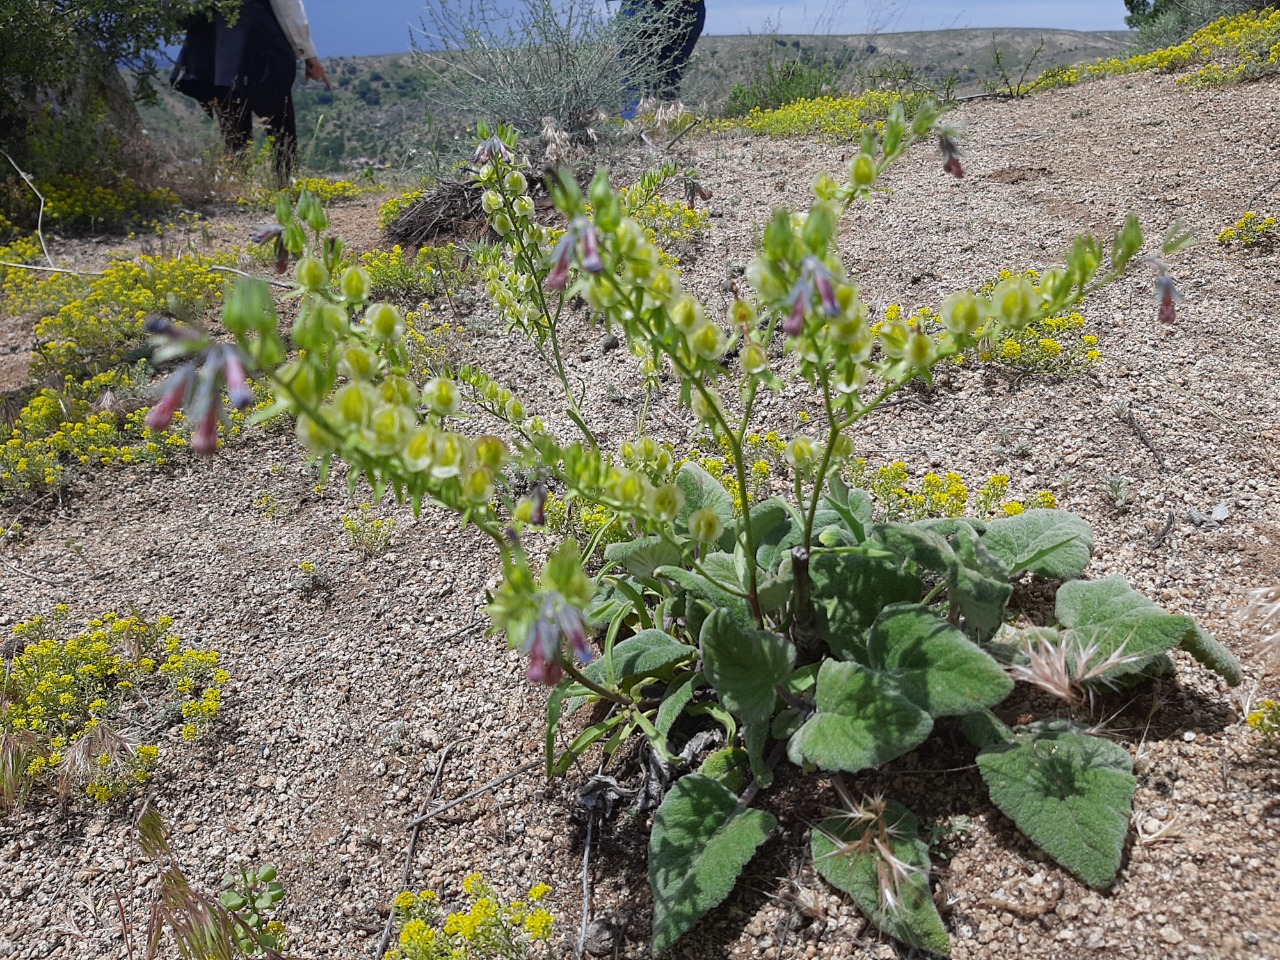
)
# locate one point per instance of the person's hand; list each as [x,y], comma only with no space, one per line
[315,71]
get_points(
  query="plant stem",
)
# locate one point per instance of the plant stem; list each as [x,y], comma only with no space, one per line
[610,695]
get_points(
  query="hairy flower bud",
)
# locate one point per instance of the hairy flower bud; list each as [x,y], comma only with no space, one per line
[442,396]
[666,502]
[356,284]
[753,358]
[385,321]
[705,526]
[310,273]
[863,170]
[962,313]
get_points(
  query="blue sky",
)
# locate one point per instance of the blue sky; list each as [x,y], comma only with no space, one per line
[355,27]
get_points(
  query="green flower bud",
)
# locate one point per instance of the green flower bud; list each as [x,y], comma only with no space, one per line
[295,239]
[477,486]
[354,404]
[921,350]
[708,341]
[842,448]
[766,280]
[385,321]
[491,201]
[705,410]
[446,455]
[743,313]
[1014,301]
[311,273]
[356,284]
[418,449]
[523,206]
[800,452]
[666,502]
[779,237]
[390,424]
[893,338]
[895,128]
[399,390]
[863,170]
[825,187]
[358,363]
[962,313]
[819,226]
[491,452]
[442,396]
[502,224]
[632,488]
[686,313]
[705,526]
[514,182]
[515,410]
[313,436]
[753,359]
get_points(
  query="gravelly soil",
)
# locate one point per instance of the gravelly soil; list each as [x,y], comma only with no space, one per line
[342,703]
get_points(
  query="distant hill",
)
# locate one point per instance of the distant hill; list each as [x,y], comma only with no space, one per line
[379,114]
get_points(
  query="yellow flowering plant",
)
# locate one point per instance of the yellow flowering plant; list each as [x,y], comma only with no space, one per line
[813,632]
[490,928]
[1250,231]
[77,711]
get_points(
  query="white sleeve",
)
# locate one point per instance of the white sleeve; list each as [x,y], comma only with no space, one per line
[293,20]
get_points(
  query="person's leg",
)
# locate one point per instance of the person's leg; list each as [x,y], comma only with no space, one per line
[282,125]
[235,121]
[693,17]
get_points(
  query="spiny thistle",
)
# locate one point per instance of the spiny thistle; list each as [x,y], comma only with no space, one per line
[1068,666]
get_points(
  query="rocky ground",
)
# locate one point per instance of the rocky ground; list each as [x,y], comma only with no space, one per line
[344,702]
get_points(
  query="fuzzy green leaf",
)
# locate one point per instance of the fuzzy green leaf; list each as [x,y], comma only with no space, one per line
[853,506]
[746,666]
[642,556]
[933,664]
[851,589]
[1050,543]
[847,866]
[704,492]
[1113,615]
[701,840]
[707,593]
[862,721]
[1070,793]
[1212,654]
[647,654]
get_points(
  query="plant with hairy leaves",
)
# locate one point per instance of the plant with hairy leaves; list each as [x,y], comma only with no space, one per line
[811,634]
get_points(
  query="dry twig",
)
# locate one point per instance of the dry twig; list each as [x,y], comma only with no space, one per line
[491,785]
[29,181]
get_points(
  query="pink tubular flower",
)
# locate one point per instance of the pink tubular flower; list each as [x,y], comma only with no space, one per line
[238,391]
[591,261]
[1168,295]
[175,395]
[204,439]
[816,270]
[950,155]
[561,257]
[793,326]
[490,148]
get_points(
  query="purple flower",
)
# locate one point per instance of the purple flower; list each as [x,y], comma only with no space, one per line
[539,514]
[176,389]
[591,261]
[238,391]
[574,629]
[558,620]
[490,148]
[561,257]
[817,271]
[204,439]
[1168,294]
[265,232]
[794,324]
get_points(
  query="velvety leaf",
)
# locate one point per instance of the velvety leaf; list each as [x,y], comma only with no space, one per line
[862,721]
[1070,793]
[1202,645]
[712,596]
[847,866]
[704,492]
[1050,543]
[853,506]
[851,589]
[647,654]
[700,842]
[675,700]
[1113,615]
[745,666]
[933,664]
[643,556]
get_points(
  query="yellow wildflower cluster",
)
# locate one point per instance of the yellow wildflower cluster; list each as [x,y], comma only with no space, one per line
[585,522]
[433,346]
[98,323]
[1266,721]
[1250,230]
[392,210]
[1229,50]
[410,280]
[325,190]
[17,284]
[65,697]
[91,327]
[670,223]
[487,930]
[74,203]
[367,533]
[1053,345]
[833,118]
[938,495]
